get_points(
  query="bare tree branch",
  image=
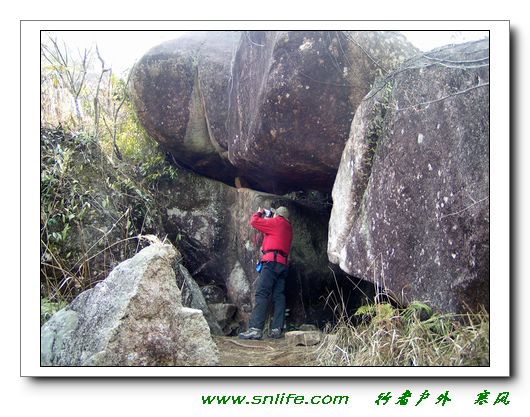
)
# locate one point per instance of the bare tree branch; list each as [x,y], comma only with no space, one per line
[96,98]
[114,135]
[58,58]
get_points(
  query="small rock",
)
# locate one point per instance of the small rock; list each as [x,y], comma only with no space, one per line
[223,313]
[193,297]
[213,294]
[304,338]
[308,328]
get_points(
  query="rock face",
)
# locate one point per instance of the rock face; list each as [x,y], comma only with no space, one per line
[192,297]
[133,318]
[294,97]
[274,108]
[213,294]
[179,90]
[411,197]
[225,314]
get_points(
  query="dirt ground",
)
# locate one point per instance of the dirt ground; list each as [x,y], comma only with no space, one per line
[266,352]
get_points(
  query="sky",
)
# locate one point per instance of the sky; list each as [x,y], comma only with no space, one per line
[121,49]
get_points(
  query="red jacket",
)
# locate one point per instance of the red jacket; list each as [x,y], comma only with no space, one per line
[278,236]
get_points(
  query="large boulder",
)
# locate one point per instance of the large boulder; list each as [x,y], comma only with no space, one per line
[272,107]
[179,90]
[411,197]
[133,318]
[293,98]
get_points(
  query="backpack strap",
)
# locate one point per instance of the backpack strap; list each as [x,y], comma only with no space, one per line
[276,252]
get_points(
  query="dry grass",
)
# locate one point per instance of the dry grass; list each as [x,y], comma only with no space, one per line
[406,337]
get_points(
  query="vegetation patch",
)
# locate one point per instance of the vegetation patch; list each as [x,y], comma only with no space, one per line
[411,336]
[93,210]
[377,127]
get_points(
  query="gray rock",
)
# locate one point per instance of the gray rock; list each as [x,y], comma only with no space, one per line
[308,327]
[179,90]
[133,318]
[225,314]
[192,297]
[303,338]
[237,285]
[411,197]
[270,108]
[293,99]
[54,332]
[213,294]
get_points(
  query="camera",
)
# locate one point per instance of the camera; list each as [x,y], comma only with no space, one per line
[267,213]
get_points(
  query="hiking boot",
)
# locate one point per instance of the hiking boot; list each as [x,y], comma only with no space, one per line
[275,333]
[252,333]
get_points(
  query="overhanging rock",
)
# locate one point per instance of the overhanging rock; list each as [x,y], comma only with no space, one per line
[270,108]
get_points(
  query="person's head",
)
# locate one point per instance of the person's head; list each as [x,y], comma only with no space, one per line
[283,212]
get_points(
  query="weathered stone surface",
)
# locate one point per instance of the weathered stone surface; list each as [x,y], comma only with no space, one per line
[192,297]
[133,318]
[225,314]
[270,109]
[303,338]
[293,98]
[307,327]
[238,285]
[179,90]
[55,332]
[411,197]
[213,294]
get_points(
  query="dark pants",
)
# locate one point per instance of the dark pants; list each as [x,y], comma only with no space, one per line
[271,282]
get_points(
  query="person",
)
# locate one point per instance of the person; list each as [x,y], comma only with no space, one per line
[275,248]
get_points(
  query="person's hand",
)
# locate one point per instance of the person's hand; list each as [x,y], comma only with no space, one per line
[260,210]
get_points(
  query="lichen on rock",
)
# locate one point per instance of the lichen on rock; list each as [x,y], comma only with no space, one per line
[418,224]
[134,317]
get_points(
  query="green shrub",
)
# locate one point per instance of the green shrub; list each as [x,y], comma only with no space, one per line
[49,308]
[92,212]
